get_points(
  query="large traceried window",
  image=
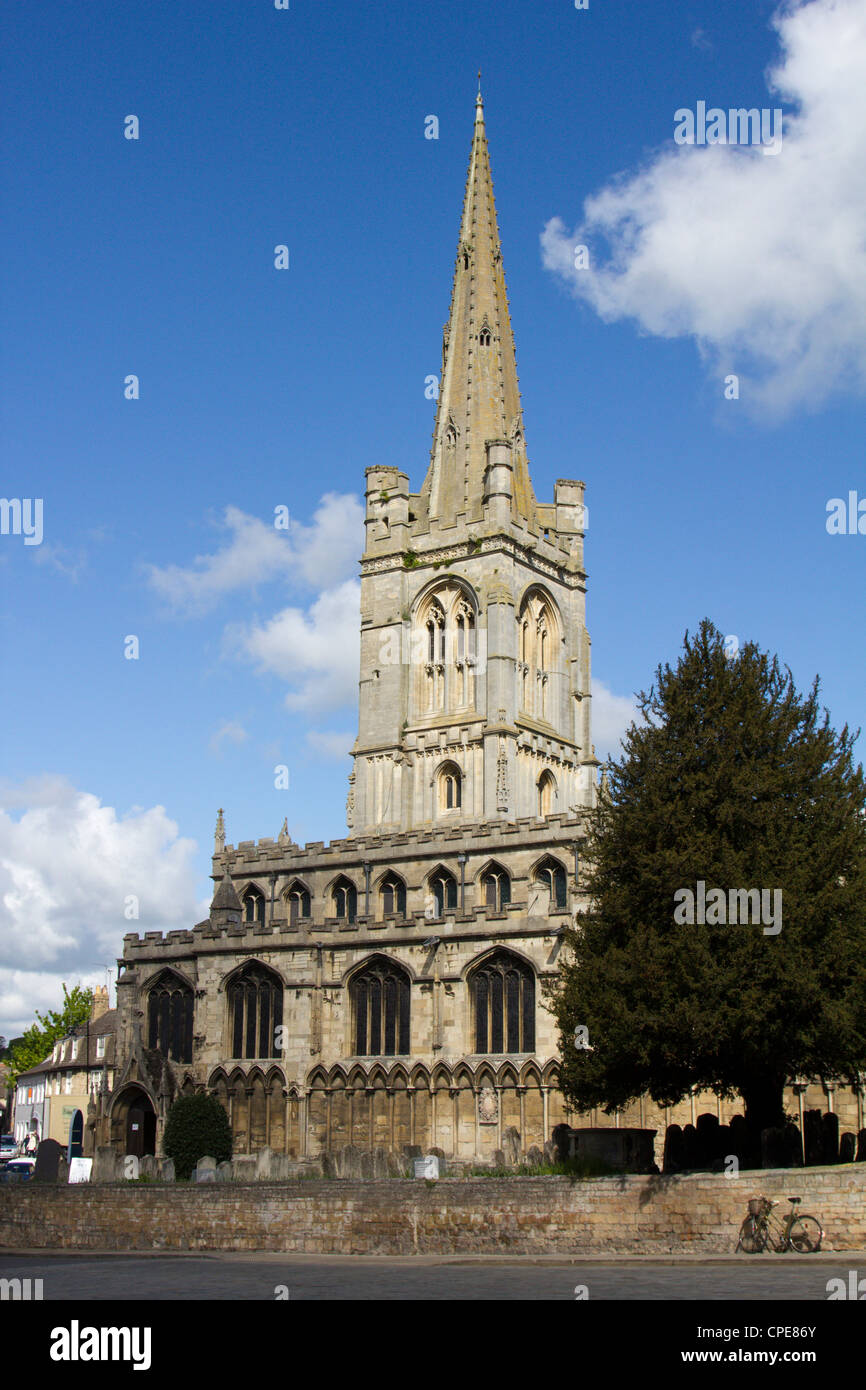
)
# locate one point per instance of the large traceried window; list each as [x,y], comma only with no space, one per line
[255,1000]
[169,1017]
[502,990]
[380,1003]
[537,649]
[445,639]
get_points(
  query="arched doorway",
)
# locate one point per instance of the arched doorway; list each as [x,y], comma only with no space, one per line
[75,1147]
[135,1122]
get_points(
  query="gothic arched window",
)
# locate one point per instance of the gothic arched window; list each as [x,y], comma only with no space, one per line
[445,647]
[380,1004]
[546,790]
[551,873]
[502,990]
[298,902]
[496,886]
[169,1017]
[443,886]
[393,894]
[344,896]
[254,906]
[450,788]
[255,1000]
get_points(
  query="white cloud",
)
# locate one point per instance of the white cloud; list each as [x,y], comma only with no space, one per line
[229,732]
[68,866]
[761,260]
[257,553]
[332,743]
[317,652]
[611,716]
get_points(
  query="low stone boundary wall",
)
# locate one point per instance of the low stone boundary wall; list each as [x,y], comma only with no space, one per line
[699,1213]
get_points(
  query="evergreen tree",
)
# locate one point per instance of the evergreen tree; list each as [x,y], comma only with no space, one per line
[736,781]
[197,1125]
[36,1042]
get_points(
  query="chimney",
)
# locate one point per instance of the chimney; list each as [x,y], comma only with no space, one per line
[100,1003]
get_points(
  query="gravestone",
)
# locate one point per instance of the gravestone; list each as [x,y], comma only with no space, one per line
[427,1167]
[562,1141]
[148,1167]
[511,1145]
[861,1146]
[205,1169]
[830,1136]
[674,1153]
[534,1156]
[263,1165]
[166,1170]
[707,1139]
[847,1147]
[440,1154]
[105,1164]
[224,1171]
[499,1158]
[48,1156]
[813,1137]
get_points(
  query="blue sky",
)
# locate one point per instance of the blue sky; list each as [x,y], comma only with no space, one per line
[262,388]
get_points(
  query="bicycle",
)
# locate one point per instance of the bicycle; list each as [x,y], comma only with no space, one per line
[761,1230]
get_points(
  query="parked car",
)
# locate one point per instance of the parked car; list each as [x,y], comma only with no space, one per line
[8,1148]
[18,1170]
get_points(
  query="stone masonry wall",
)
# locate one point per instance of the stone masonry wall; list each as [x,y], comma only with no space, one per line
[699,1214]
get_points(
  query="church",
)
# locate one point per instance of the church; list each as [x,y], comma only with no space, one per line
[391,988]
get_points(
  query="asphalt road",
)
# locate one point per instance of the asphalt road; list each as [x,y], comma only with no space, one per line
[258,1276]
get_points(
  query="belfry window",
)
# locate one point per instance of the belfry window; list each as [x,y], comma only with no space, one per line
[255,999]
[502,990]
[552,874]
[254,906]
[169,1018]
[484,337]
[380,1001]
[445,640]
[344,896]
[537,660]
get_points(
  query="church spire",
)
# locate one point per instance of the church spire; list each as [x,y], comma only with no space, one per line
[479,398]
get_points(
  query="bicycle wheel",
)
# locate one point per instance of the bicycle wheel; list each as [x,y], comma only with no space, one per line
[805,1235]
[753,1236]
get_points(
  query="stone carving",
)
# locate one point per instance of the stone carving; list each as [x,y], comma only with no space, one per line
[501,778]
[488,1106]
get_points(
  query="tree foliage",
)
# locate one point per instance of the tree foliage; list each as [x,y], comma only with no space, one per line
[36,1042]
[737,780]
[196,1126]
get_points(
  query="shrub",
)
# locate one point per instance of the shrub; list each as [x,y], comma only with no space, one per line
[196,1125]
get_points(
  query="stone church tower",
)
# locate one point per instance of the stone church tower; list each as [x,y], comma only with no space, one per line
[475,658]
[389,990]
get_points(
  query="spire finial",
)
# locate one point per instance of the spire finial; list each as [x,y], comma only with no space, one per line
[219,839]
[478,101]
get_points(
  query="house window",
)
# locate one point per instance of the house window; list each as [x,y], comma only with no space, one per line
[67,1086]
[344,896]
[255,1000]
[380,1000]
[552,874]
[502,990]
[254,906]
[393,893]
[100,1048]
[496,886]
